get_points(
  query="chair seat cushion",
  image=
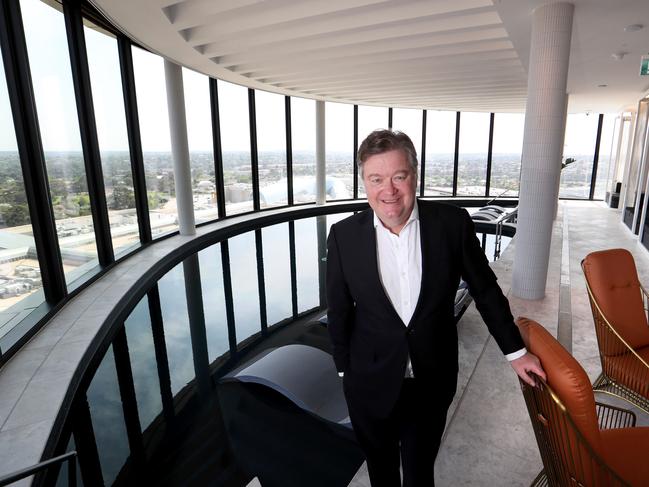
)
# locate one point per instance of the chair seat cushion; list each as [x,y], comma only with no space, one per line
[629,371]
[626,451]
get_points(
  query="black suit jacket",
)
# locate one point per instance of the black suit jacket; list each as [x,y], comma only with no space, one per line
[370,342]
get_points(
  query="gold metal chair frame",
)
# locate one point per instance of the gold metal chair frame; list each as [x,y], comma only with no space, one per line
[630,382]
[568,459]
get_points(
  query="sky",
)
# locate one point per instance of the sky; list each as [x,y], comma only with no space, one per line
[53,87]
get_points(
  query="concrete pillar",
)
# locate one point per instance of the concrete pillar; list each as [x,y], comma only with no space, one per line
[180,148]
[320,156]
[542,146]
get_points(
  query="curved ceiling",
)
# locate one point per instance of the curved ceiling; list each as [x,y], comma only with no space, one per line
[445,54]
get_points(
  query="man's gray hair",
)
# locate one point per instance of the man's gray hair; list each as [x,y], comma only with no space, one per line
[381,141]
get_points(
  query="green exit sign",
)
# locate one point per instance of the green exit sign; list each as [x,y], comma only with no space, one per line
[644,66]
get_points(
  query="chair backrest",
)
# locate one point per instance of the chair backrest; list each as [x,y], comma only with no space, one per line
[563,413]
[613,281]
[565,376]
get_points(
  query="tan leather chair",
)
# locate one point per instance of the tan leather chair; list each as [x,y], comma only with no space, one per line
[618,302]
[582,443]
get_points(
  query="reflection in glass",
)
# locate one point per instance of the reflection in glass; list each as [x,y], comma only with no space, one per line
[605,153]
[506,154]
[108,101]
[108,418]
[339,142]
[143,363]
[55,101]
[173,303]
[369,119]
[579,143]
[440,153]
[303,141]
[201,149]
[306,260]
[216,323]
[271,148]
[20,273]
[235,143]
[472,158]
[277,273]
[409,121]
[156,142]
[245,287]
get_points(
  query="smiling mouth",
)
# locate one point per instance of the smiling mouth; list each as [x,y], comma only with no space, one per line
[390,201]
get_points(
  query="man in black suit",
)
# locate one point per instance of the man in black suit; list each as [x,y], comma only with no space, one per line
[392,274]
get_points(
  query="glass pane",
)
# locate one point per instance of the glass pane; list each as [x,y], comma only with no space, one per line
[156,142]
[409,121]
[277,273]
[107,416]
[245,287]
[201,147]
[57,115]
[108,100]
[579,144]
[271,148]
[339,146]
[235,143]
[369,119]
[143,363]
[506,154]
[605,153]
[303,142]
[306,261]
[173,303]
[216,322]
[20,273]
[472,159]
[440,153]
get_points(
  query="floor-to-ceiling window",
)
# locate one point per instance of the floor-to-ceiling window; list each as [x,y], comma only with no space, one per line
[156,141]
[472,154]
[339,147]
[108,101]
[579,144]
[303,147]
[59,125]
[440,153]
[235,142]
[271,148]
[201,146]
[506,154]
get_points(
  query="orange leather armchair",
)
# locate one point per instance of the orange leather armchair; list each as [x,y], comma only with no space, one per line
[618,302]
[582,443]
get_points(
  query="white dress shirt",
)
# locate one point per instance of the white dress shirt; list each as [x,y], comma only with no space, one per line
[399,264]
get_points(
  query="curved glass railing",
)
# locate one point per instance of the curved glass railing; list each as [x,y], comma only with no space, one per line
[145,408]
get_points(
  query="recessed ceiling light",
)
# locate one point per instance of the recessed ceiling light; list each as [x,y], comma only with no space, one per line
[633,27]
[618,56]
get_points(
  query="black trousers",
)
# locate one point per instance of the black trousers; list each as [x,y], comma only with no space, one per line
[413,430]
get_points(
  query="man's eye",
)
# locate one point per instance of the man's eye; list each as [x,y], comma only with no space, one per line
[399,179]
[375,181]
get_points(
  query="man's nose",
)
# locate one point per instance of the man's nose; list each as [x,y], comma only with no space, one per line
[390,187]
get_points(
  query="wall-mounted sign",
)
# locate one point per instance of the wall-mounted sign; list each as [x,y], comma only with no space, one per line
[644,66]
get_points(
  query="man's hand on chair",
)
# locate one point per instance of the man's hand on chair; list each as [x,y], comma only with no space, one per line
[528,363]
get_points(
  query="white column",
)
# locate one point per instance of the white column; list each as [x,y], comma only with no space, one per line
[320,156]
[180,148]
[542,146]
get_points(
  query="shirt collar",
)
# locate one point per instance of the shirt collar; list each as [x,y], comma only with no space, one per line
[414,216]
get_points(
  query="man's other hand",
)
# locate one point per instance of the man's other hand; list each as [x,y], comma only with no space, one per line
[528,363]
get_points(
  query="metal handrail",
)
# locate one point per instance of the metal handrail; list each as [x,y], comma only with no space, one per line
[69,457]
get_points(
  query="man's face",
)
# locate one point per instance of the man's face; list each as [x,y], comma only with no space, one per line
[390,184]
